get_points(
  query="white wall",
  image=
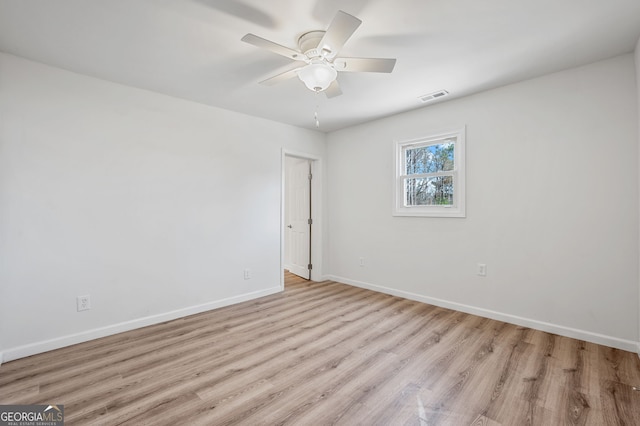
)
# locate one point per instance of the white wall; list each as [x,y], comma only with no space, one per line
[154,205]
[552,206]
[151,205]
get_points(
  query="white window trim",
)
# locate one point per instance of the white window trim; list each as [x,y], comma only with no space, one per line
[458,207]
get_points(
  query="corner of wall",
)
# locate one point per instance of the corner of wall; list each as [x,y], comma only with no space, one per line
[637,60]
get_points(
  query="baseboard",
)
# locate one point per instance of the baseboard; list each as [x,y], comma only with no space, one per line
[11,354]
[614,342]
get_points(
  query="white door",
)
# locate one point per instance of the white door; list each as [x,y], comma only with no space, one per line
[298,216]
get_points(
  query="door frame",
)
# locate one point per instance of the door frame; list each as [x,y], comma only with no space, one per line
[316,212]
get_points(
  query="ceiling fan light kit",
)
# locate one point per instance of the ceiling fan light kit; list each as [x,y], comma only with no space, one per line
[319,51]
[317,76]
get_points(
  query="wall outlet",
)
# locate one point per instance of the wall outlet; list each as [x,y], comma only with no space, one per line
[361,261]
[247,274]
[83,303]
[482,269]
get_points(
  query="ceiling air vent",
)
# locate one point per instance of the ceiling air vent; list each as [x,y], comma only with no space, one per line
[432,96]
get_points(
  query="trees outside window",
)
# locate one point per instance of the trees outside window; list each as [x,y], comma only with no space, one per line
[430,176]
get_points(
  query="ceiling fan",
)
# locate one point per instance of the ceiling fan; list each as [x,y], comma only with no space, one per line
[319,53]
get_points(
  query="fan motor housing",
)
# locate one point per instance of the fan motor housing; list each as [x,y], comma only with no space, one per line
[308,43]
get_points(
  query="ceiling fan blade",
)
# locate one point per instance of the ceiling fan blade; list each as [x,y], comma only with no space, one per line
[274,47]
[340,29]
[281,77]
[333,90]
[364,64]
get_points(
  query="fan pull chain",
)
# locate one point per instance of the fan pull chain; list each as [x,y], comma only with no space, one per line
[315,116]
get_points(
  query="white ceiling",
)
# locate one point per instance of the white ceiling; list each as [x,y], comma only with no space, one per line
[191,49]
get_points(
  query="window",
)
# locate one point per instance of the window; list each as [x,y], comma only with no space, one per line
[430,176]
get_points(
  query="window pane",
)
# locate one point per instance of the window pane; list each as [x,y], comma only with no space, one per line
[430,159]
[433,191]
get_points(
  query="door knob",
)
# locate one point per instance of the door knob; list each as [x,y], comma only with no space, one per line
[289,226]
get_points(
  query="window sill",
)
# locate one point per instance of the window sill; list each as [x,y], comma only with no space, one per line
[431,212]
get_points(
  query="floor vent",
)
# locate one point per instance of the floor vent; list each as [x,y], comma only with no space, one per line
[433,96]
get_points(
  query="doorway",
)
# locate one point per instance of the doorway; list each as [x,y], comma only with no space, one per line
[298,218]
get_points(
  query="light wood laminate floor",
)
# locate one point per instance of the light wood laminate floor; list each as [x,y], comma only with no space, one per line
[327,353]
